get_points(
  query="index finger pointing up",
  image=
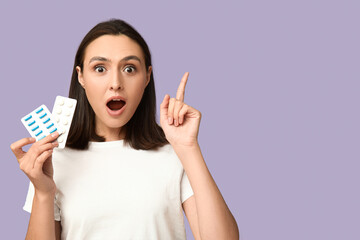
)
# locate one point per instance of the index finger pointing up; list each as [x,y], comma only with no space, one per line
[181,89]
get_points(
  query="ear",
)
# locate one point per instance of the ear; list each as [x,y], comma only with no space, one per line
[80,76]
[148,74]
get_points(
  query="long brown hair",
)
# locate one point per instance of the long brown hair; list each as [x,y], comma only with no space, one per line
[142,131]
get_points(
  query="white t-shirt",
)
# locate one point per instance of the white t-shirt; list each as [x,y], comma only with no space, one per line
[112,191]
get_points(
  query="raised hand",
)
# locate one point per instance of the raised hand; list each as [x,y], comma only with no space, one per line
[37,162]
[179,121]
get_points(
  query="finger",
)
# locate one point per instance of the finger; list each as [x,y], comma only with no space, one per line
[37,150]
[43,145]
[181,89]
[49,138]
[178,106]
[164,106]
[182,113]
[170,112]
[41,159]
[16,147]
[48,146]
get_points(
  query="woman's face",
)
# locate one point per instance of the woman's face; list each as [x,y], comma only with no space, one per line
[114,77]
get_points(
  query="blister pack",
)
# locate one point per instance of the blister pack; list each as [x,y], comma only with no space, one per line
[41,123]
[63,112]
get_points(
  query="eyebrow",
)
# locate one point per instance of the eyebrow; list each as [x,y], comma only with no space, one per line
[103,59]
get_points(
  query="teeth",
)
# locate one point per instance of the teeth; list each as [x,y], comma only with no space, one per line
[117,100]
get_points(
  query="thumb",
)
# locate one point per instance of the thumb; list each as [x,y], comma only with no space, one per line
[164,107]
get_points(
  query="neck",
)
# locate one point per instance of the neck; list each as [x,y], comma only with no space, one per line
[111,134]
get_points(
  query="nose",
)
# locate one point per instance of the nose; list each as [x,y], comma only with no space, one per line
[116,81]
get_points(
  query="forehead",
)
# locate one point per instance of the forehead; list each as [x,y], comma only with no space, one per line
[113,47]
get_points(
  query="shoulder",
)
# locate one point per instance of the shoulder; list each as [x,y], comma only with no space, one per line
[63,152]
[166,150]
[69,155]
[164,154]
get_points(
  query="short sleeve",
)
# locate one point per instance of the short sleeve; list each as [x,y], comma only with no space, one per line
[29,200]
[186,190]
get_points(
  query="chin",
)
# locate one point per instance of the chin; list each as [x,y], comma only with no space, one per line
[115,124]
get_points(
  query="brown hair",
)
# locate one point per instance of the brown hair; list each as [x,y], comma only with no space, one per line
[142,131]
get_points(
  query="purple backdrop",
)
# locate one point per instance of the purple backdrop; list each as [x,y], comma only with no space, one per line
[277,83]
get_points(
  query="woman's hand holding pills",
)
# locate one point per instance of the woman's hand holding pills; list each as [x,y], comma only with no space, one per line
[179,121]
[37,162]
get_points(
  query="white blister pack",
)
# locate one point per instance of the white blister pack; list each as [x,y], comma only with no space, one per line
[63,112]
[41,123]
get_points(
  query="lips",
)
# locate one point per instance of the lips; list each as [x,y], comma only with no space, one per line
[115,105]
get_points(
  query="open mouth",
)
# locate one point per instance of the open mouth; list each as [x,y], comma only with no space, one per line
[115,104]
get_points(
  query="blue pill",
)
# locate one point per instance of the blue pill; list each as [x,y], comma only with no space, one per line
[41,138]
[39,111]
[29,117]
[43,115]
[31,123]
[38,133]
[53,130]
[50,126]
[47,120]
[35,128]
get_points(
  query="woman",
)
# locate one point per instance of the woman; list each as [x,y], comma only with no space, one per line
[121,175]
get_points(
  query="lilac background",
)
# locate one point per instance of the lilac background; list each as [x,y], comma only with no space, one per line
[277,83]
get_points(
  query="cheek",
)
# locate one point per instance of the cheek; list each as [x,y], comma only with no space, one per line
[137,91]
[92,82]
[93,90]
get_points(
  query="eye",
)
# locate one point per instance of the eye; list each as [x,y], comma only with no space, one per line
[129,69]
[99,69]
